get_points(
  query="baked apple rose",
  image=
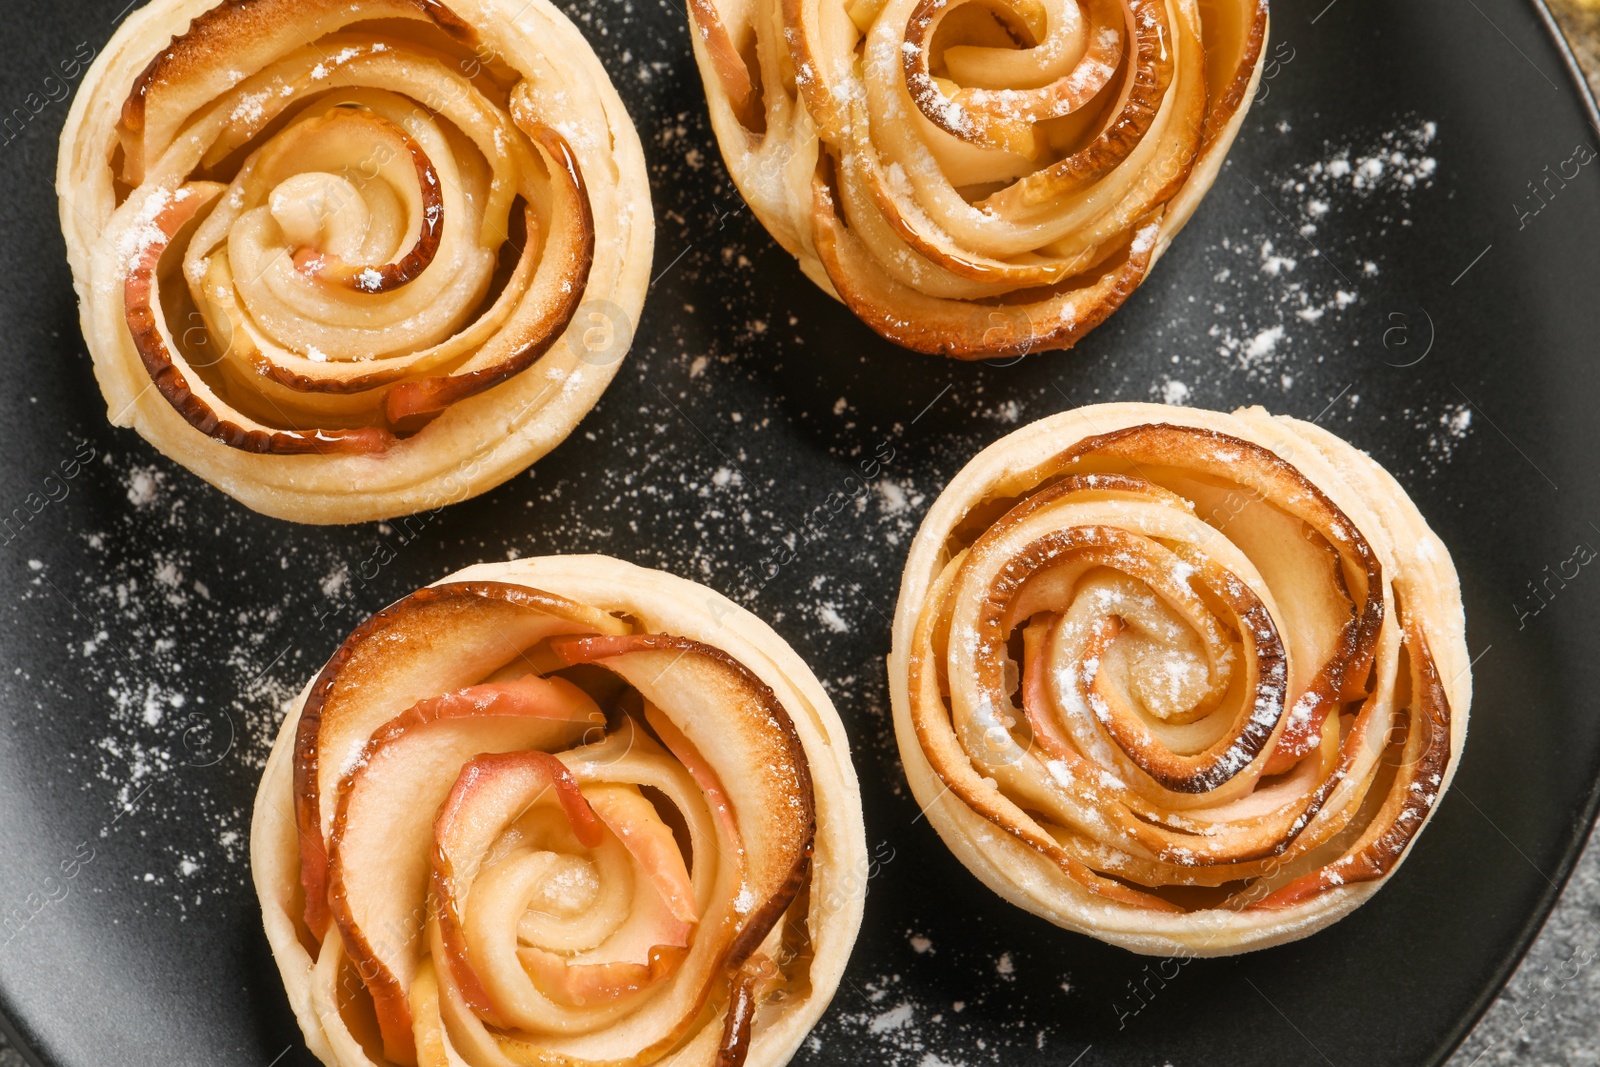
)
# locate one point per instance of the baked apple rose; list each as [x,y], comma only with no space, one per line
[977,178]
[353,260]
[1191,683]
[560,811]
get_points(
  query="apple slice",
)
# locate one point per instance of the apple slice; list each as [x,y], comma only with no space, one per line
[554,293]
[651,843]
[382,834]
[582,985]
[568,939]
[1036,698]
[1424,765]
[736,724]
[439,639]
[433,1046]
[230,41]
[705,776]
[171,375]
[732,720]
[492,792]
[654,939]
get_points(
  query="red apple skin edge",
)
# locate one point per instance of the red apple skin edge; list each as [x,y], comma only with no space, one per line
[525,698]
[741,956]
[482,773]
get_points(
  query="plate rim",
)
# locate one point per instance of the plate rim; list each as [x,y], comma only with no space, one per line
[1589,815]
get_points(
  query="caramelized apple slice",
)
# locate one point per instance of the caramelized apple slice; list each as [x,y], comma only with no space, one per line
[745,736]
[441,638]
[493,792]
[600,954]
[229,42]
[382,841]
[732,721]
[172,375]
[654,939]
[554,293]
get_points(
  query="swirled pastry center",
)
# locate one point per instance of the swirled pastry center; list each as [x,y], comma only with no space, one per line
[1176,669]
[977,177]
[534,836]
[337,220]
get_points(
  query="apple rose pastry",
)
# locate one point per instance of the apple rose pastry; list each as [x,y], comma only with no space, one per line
[1190,683]
[353,260]
[977,177]
[563,812]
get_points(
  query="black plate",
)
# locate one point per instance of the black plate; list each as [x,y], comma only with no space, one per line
[1462,356]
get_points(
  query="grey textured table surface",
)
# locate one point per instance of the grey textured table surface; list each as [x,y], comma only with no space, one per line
[1549,1013]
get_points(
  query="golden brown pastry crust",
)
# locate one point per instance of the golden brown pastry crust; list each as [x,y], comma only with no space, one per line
[977,179]
[348,262]
[462,858]
[1185,681]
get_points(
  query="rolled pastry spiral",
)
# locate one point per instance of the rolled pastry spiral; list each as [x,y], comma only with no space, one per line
[348,261]
[977,178]
[561,811]
[1190,683]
